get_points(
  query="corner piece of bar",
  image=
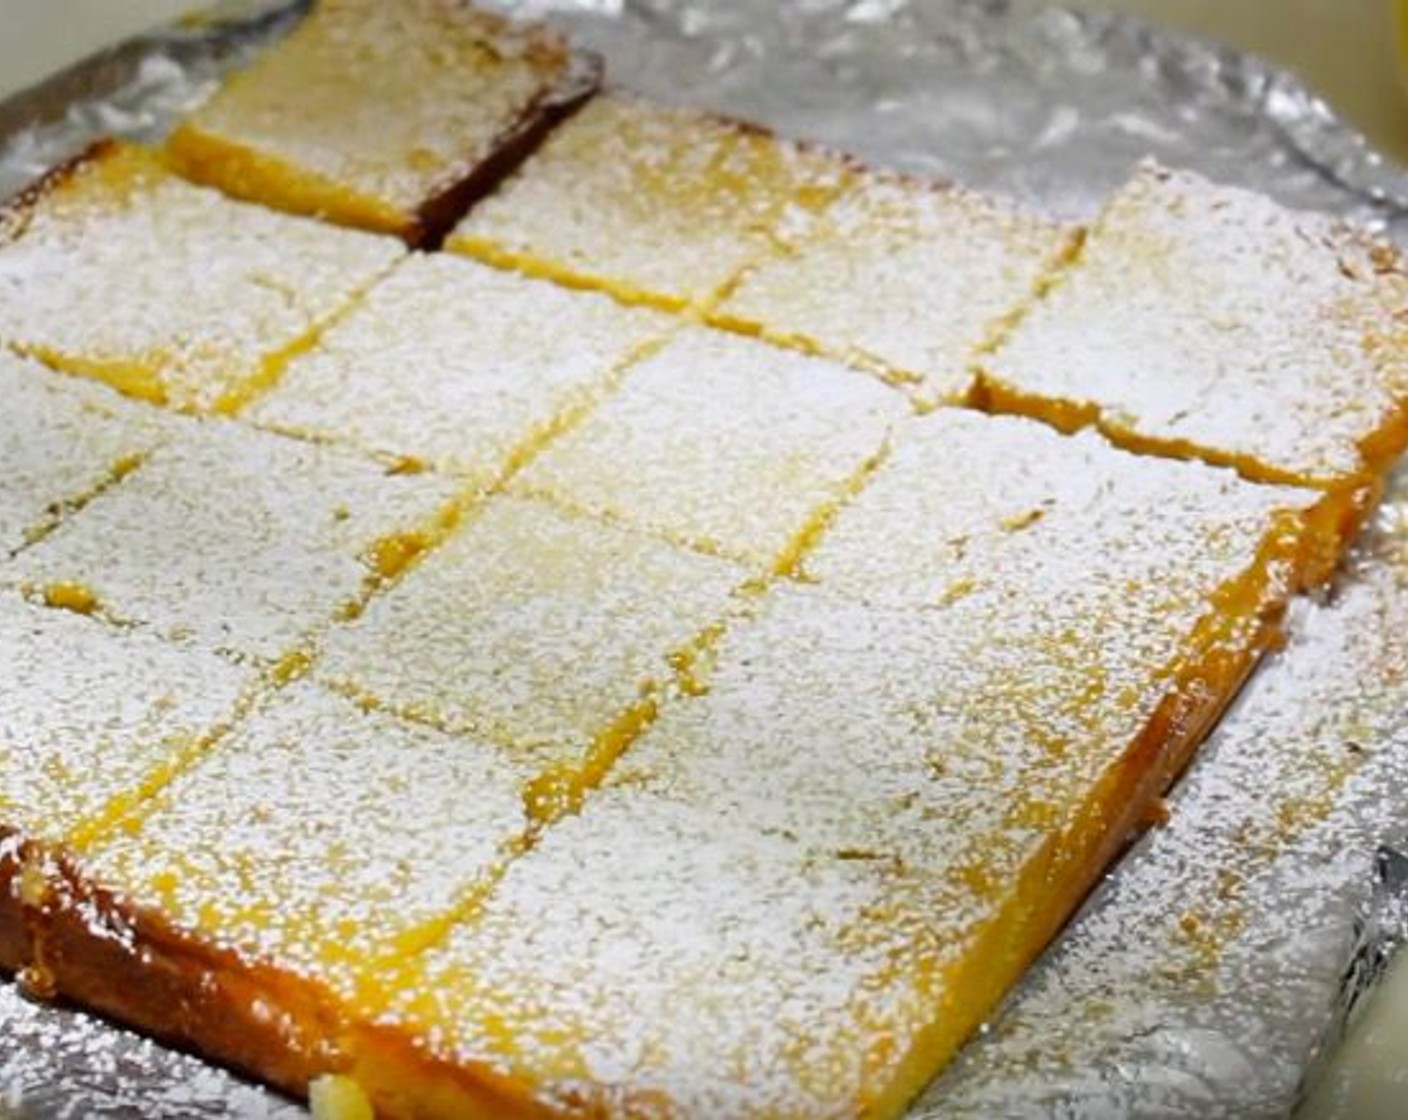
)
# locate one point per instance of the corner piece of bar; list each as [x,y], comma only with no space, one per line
[114,268]
[651,203]
[464,367]
[89,716]
[268,890]
[1208,321]
[391,118]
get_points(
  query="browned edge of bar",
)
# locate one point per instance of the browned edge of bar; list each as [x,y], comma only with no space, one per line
[127,963]
[442,212]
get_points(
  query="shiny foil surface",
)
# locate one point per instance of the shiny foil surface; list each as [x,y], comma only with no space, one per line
[1218,961]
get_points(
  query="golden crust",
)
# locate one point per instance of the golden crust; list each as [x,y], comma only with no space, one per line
[1203,321]
[130,965]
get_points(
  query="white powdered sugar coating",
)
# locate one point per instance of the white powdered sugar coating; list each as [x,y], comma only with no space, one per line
[722,443]
[170,290]
[456,364]
[991,512]
[902,275]
[316,834]
[662,204]
[89,711]
[775,898]
[1182,991]
[1211,317]
[532,626]
[390,103]
[62,440]
[241,539]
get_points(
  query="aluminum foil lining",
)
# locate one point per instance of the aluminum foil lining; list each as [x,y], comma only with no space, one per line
[1228,948]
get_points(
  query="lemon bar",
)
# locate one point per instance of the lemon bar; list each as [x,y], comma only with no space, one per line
[267,891]
[653,204]
[803,887]
[115,268]
[388,118]
[722,443]
[539,629]
[1055,515]
[63,441]
[241,539]
[907,277]
[433,366]
[1205,320]
[78,736]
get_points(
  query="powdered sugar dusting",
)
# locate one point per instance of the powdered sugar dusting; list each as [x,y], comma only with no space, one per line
[436,365]
[1212,316]
[89,711]
[241,539]
[902,275]
[169,290]
[624,966]
[1244,904]
[447,83]
[65,439]
[1050,519]
[720,443]
[654,203]
[532,626]
[917,87]
[317,834]
[775,898]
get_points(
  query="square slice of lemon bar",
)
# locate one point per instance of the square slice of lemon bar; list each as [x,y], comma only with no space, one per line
[1049,522]
[115,268]
[549,632]
[389,117]
[275,883]
[242,540]
[89,714]
[722,443]
[903,276]
[1209,321]
[807,883]
[64,440]
[457,365]
[651,203]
